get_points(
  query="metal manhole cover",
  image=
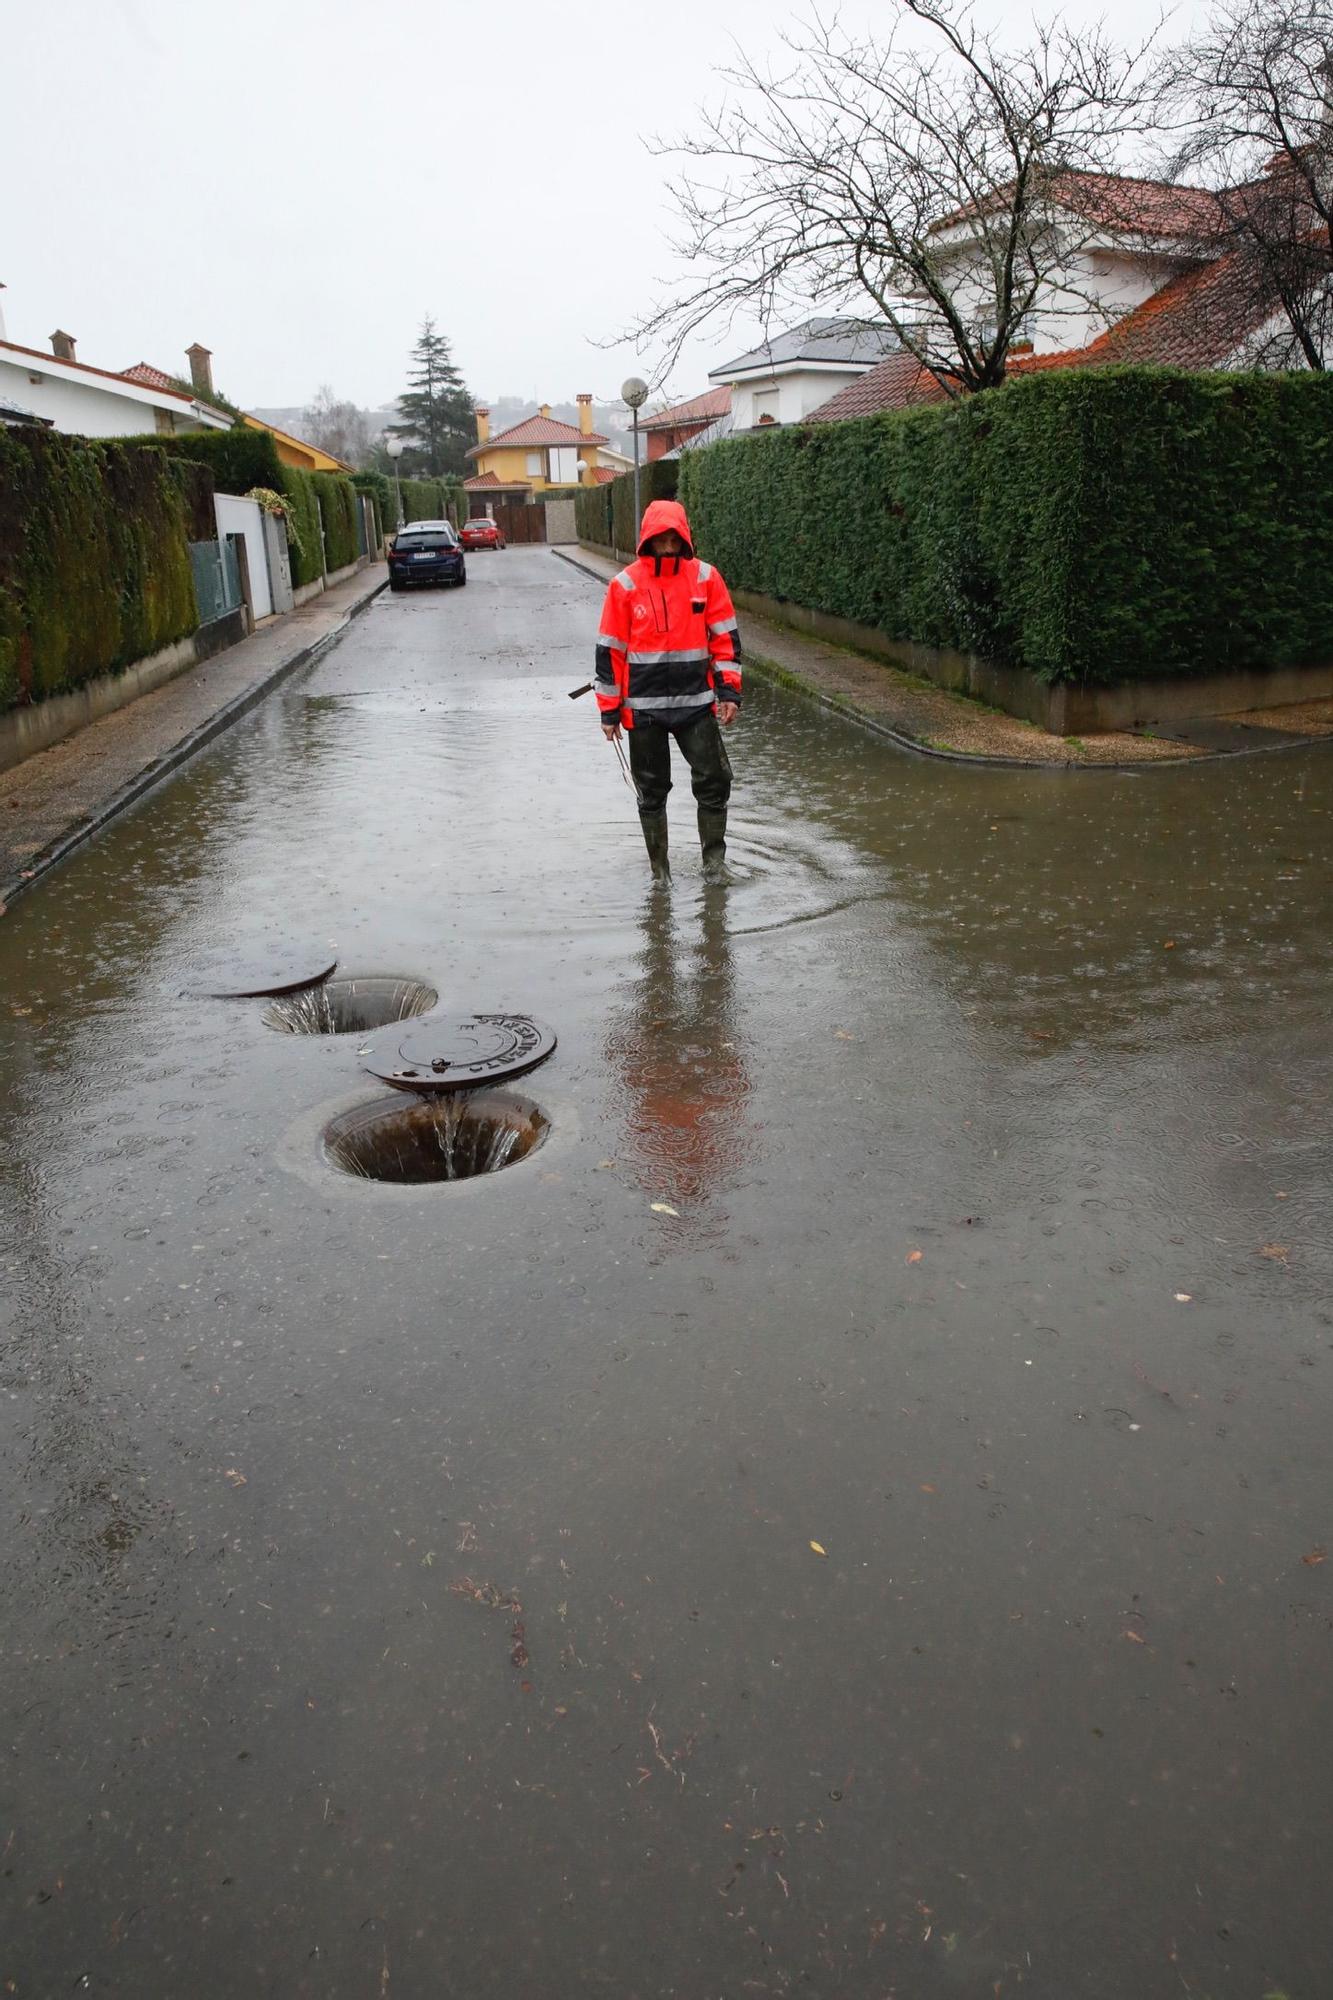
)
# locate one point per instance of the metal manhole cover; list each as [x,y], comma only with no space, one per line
[459,1054]
[257,981]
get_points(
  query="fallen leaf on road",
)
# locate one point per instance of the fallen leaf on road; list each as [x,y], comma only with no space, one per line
[236,1478]
[664,1208]
[1137,1637]
[1183,1298]
[841,1035]
[820,1550]
[1277,1251]
[913,1257]
[1170,945]
[1315,1557]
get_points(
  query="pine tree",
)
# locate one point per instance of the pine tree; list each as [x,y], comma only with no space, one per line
[436,416]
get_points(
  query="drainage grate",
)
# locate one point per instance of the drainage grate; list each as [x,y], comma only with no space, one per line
[446,1138]
[351,1006]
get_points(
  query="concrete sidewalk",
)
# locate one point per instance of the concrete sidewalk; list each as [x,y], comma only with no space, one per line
[58,799]
[927,719]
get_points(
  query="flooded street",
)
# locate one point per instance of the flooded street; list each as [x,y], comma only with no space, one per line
[845,1516]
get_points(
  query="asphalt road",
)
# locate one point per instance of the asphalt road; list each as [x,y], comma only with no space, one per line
[845,1517]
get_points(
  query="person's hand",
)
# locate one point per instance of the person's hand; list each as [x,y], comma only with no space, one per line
[610,731]
[727,711]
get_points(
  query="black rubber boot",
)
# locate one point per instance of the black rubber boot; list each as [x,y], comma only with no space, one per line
[655,840]
[713,842]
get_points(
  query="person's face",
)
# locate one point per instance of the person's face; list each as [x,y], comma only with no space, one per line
[668,543]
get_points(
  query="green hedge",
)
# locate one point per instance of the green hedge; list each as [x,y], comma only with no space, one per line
[1091,526]
[239,459]
[338,505]
[605,514]
[380,490]
[94,565]
[306,544]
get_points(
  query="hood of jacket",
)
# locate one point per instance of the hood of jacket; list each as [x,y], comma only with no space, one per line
[658,516]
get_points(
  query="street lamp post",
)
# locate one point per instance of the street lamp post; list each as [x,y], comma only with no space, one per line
[634,392]
[394,447]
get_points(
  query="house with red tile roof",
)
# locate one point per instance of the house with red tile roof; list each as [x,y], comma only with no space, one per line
[521,463]
[681,423]
[1157,278]
[72,396]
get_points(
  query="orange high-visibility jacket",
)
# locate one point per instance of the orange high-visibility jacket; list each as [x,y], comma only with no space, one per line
[668,648]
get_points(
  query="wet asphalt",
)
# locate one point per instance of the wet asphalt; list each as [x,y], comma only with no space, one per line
[845,1516]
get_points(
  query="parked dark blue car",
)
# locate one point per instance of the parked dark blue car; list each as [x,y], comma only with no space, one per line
[426,552]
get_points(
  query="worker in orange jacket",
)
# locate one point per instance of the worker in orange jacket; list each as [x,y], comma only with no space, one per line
[669,666]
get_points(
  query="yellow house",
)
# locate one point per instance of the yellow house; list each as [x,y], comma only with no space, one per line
[524,461]
[295,451]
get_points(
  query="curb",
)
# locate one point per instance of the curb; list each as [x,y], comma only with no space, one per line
[788,677]
[180,753]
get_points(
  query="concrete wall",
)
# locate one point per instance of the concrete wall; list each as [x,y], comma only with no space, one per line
[25,731]
[245,518]
[88,405]
[561,525]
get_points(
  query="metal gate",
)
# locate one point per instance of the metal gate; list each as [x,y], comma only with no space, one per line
[521,523]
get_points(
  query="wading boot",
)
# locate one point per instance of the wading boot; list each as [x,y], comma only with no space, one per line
[655,840]
[713,842]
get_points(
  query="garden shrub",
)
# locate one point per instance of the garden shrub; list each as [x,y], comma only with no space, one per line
[605,514]
[1093,526]
[94,564]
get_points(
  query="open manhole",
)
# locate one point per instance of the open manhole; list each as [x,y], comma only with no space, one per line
[445,1138]
[350,1006]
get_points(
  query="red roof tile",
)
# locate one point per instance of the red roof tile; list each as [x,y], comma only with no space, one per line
[604,474]
[538,431]
[493,483]
[894,384]
[1120,202]
[150,377]
[705,409]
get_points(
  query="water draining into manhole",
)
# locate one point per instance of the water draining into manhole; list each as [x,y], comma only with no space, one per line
[350,1006]
[449,1138]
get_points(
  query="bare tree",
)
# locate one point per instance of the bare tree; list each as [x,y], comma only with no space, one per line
[338,427]
[1254,94]
[930,180]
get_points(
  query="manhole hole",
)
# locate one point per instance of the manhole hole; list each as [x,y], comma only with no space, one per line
[445,1138]
[462,1054]
[350,1006]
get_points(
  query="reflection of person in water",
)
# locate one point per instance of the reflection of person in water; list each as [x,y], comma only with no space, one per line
[677,1050]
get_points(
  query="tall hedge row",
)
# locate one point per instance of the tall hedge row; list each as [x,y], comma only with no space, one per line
[1093,527]
[605,514]
[238,459]
[94,565]
[304,538]
[338,505]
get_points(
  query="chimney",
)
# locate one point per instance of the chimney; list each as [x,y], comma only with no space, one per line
[483,424]
[201,370]
[62,345]
[545,410]
[585,414]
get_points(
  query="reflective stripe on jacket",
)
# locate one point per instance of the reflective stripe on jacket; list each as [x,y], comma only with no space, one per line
[668,647]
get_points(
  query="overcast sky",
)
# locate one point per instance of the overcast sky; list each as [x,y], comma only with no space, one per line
[296,182]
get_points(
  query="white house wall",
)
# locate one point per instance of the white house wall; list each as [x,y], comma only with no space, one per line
[798,392]
[91,405]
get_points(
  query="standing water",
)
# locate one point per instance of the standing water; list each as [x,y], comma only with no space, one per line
[846,1516]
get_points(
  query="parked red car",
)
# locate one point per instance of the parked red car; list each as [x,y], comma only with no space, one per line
[481,533]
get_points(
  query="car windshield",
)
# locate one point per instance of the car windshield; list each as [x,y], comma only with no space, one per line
[438,538]
[485,525]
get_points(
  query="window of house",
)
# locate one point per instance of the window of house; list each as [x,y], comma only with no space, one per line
[534,465]
[764,406]
[564,464]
